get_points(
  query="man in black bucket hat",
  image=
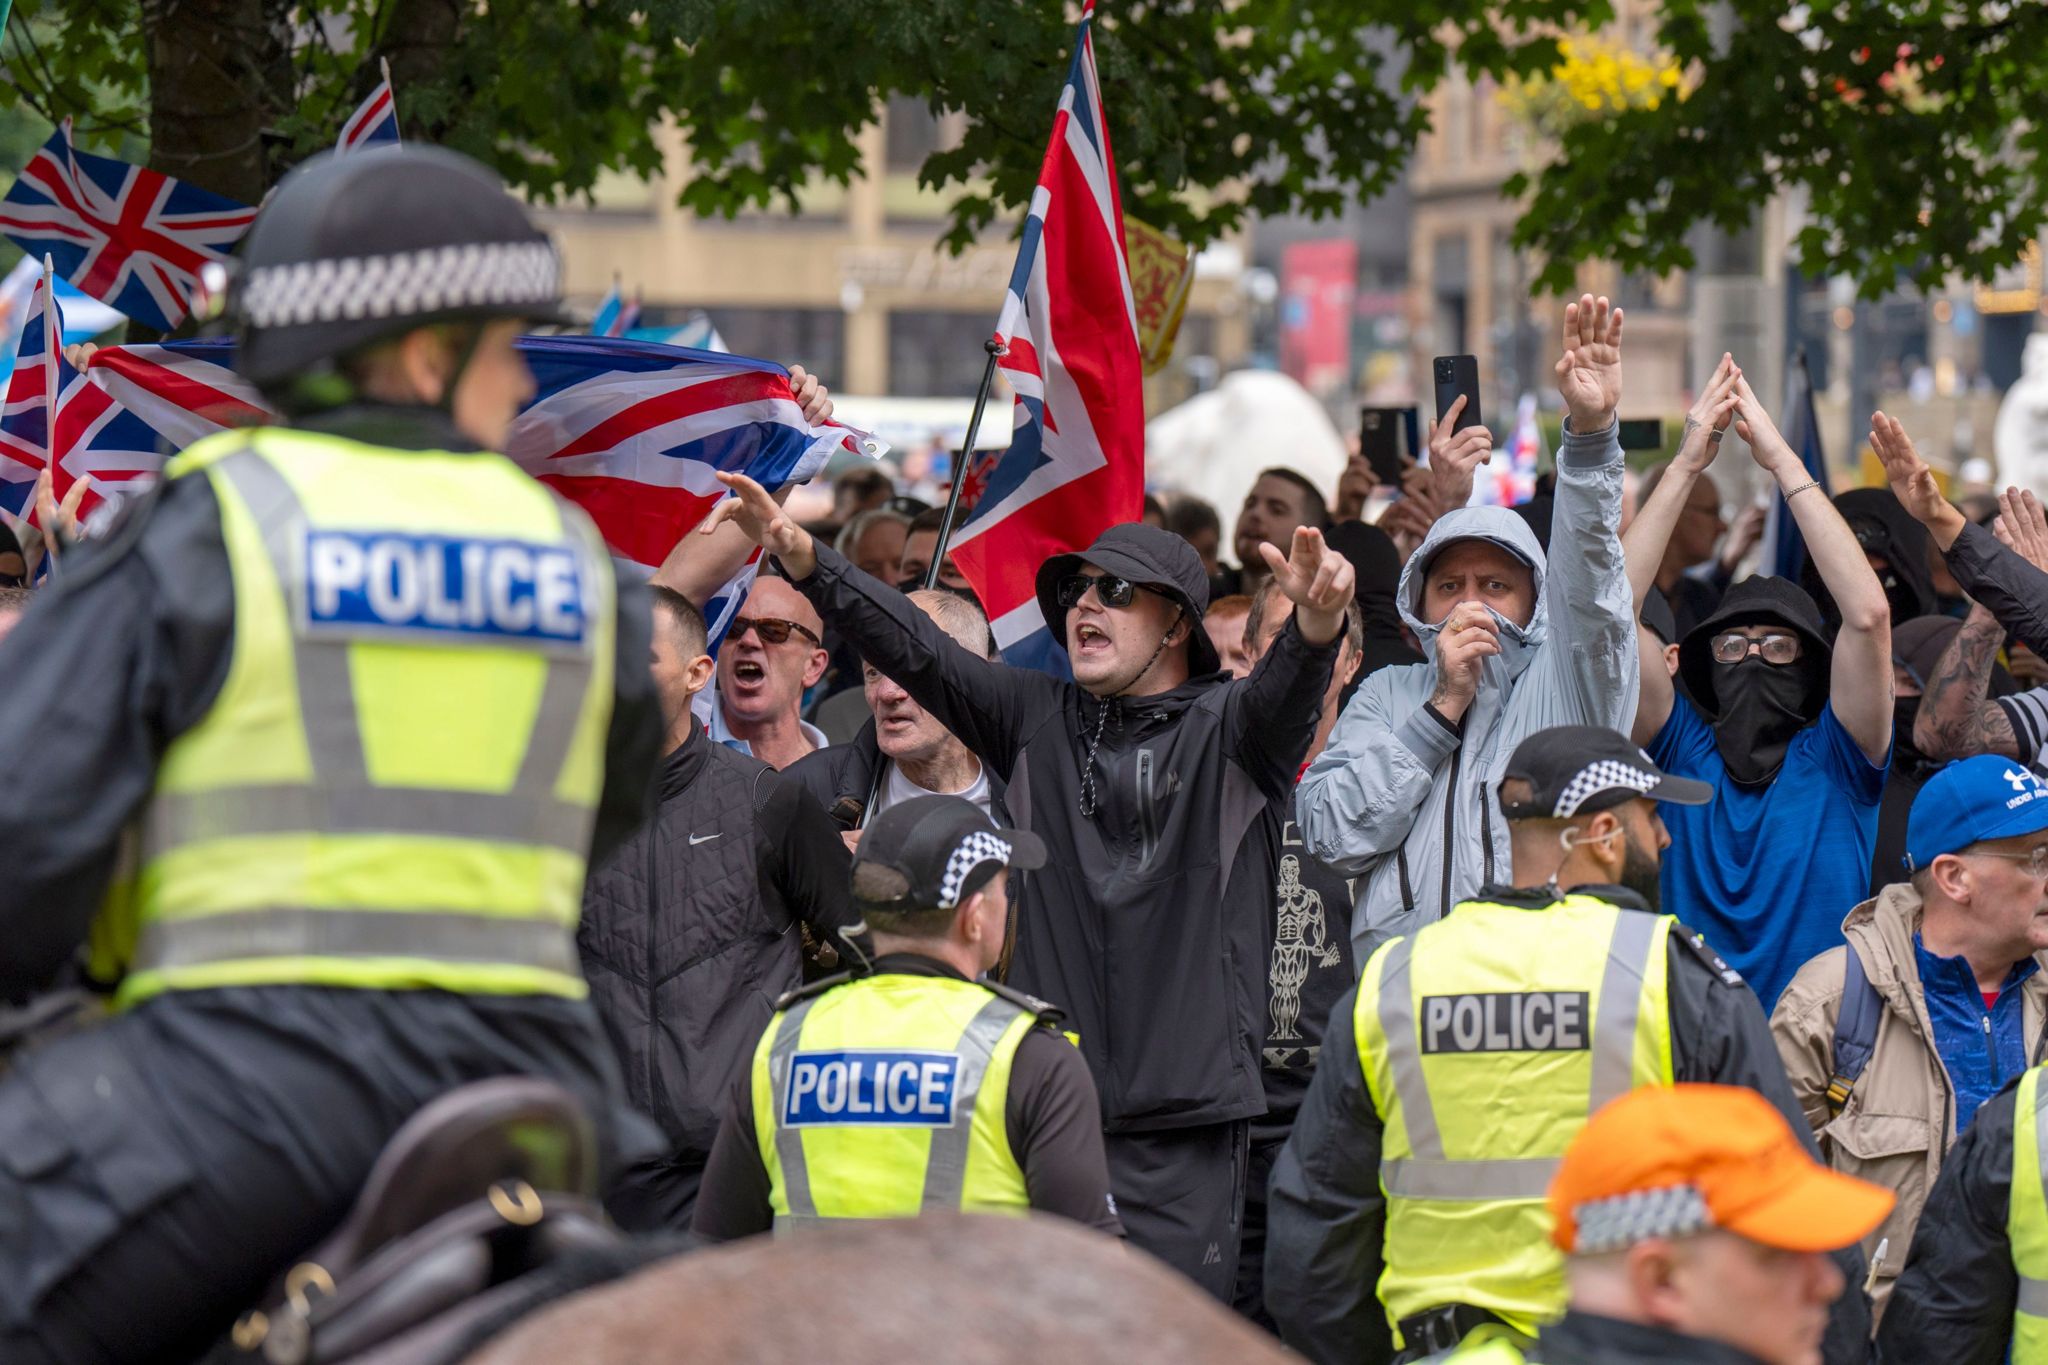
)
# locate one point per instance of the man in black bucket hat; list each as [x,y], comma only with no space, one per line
[1794,730]
[1145,777]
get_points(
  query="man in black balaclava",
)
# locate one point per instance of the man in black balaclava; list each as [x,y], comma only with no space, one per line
[1791,722]
[1895,545]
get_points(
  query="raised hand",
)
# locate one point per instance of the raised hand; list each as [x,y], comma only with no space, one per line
[2022,527]
[1709,417]
[1912,481]
[754,510]
[1469,637]
[1455,455]
[1589,371]
[1317,579]
[811,396]
[1767,445]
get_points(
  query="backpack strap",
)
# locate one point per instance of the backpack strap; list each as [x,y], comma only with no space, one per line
[1855,1031]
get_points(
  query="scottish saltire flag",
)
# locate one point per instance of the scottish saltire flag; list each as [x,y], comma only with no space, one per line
[616,315]
[633,432]
[1076,461]
[27,415]
[374,123]
[1784,547]
[132,238]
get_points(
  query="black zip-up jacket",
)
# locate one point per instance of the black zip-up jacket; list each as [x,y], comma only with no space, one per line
[1954,1300]
[840,776]
[1326,1219]
[1147,925]
[689,935]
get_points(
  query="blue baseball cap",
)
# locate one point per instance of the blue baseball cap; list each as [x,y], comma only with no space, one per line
[1972,801]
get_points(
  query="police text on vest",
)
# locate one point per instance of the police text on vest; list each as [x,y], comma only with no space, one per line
[893,1089]
[360,582]
[1508,1021]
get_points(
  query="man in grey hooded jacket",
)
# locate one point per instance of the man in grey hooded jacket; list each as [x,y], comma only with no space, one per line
[1403,796]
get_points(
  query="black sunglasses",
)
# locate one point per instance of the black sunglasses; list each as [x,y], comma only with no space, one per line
[772,629]
[1114,591]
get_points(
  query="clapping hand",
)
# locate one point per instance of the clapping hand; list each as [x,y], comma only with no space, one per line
[1709,417]
[1317,580]
[1589,371]
[1913,482]
[754,510]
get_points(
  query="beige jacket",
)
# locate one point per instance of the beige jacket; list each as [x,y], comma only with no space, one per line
[1901,1117]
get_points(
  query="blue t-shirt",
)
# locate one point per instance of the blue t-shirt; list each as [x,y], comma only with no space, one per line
[1767,874]
[1981,1048]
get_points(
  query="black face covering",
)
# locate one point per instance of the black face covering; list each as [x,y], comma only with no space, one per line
[1906,758]
[1762,706]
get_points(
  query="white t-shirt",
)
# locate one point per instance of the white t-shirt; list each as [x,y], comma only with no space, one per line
[896,787]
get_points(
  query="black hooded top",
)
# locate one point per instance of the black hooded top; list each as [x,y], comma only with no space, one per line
[1887,530]
[1758,600]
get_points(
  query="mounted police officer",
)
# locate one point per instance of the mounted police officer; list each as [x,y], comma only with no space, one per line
[314,748]
[914,1087]
[1477,1049]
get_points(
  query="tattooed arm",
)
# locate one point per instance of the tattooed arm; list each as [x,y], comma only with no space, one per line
[1955,720]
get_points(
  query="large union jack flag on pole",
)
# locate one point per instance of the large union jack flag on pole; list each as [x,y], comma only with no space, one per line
[1076,462]
[375,121]
[633,432]
[132,238]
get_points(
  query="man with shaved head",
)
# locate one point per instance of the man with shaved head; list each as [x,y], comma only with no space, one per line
[773,653]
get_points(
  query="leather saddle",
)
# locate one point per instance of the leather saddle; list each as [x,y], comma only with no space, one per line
[478,1190]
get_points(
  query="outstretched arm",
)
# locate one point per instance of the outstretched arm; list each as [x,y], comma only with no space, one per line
[1955,720]
[1649,534]
[1860,683]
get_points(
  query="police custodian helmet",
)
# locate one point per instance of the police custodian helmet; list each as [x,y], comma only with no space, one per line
[353,249]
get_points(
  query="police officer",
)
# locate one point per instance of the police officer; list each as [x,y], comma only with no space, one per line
[314,748]
[915,1086]
[1478,1048]
[1695,1229]
[1975,1286]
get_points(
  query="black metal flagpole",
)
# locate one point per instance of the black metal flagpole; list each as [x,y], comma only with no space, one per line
[996,351]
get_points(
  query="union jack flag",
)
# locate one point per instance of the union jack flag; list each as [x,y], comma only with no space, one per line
[633,432]
[132,238]
[375,121]
[26,428]
[616,315]
[1076,462]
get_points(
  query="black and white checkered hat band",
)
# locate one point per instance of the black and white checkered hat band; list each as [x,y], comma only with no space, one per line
[1611,1224]
[977,848]
[407,284]
[1605,775]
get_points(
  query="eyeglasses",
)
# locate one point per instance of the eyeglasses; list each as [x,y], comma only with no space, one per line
[2034,862]
[772,629]
[1114,591]
[1733,647]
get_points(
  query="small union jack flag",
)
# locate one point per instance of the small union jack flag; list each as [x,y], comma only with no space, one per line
[133,238]
[28,424]
[375,121]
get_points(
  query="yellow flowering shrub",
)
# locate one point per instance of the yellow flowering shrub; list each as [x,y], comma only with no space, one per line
[1595,76]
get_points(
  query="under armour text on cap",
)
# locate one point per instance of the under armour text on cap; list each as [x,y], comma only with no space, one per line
[1578,769]
[940,846]
[1671,1161]
[1973,801]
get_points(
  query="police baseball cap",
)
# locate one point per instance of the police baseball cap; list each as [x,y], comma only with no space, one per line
[942,848]
[1578,769]
[1972,802]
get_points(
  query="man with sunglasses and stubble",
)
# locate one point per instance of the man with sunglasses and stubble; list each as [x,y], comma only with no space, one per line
[1145,777]
[773,653]
[1793,730]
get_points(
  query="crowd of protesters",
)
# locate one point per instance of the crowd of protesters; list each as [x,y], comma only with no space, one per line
[1298,764]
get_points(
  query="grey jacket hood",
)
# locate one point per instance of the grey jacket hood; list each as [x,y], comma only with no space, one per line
[1500,526]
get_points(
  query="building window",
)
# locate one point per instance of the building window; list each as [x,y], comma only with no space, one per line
[936,355]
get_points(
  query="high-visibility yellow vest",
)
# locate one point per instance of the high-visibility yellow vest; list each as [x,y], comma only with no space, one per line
[396,784]
[2026,1222]
[1486,1347]
[883,1096]
[1487,1040]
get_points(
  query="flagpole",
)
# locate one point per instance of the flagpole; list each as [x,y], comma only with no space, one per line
[53,341]
[996,351]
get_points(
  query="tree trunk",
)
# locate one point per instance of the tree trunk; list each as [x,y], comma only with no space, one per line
[416,41]
[218,72]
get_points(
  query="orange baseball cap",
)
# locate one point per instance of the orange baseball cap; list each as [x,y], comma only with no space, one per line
[1672,1161]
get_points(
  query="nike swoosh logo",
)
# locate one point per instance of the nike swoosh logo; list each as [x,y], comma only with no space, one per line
[696,839]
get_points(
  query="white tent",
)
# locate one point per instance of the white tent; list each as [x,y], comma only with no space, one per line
[1214,445]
